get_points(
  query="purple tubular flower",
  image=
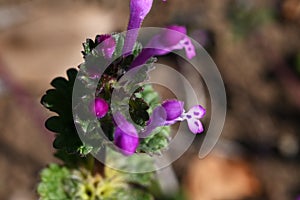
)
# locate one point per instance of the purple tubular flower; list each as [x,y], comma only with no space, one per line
[173,108]
[172,38]
[171,112]
[157,119]
[125,135]
[175,113]
[100,107]
[107,45]
[138,11]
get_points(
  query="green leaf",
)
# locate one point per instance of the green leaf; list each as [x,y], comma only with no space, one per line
[88,47]
[150,96]
[54,124]
[119,45]
[132,194]
[108,127]
[59,100]
[156,142]
[60,83]
[71,160]
[138,47]
[72,74]
[160,137]
[52,183]
[138,111]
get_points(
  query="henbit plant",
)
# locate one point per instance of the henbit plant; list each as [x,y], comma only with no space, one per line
[145,130]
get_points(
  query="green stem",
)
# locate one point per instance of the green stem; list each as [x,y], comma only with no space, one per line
[99,167]
[90,162]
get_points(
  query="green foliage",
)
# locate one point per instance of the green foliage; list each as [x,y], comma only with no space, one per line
[52,185]
[119,45]
[59,183]
[75,181]
[138,111]
[160,137]
[156,142]
[59,100]
[88,46]
[141,179]
[132,194]
[150,96]
[137,49]
[71,160]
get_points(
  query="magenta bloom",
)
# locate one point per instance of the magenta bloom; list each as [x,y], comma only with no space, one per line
[157,119]
[173,109]
[192,117]
[100,107]
[125,136]
[138,11]
[174,112]
[172,38]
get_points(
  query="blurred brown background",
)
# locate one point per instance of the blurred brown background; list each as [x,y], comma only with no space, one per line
[255,43]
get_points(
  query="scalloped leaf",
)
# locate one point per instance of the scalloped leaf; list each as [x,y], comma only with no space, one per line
[59,100]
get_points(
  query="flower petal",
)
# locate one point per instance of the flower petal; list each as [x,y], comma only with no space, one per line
[172,38]
[125,136]
[169,38]
[173,108]
[195,126]
[140,8]
[100,107]
[138,11]
[127,143]
[196,112]
[171,122]
[157,119]
[189,48]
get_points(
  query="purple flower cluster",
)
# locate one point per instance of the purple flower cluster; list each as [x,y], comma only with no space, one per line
[126,137]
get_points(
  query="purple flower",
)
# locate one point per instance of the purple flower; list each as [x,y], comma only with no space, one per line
[100,107]
[173,109]
[125,136]
[157,119]
[106,45]
[174,112]
[138,11]
[193,116]
[171,38]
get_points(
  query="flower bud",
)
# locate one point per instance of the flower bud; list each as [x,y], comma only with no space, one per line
[100,107]
[125,136]
[173,108]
